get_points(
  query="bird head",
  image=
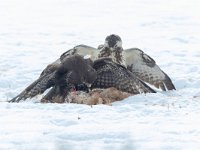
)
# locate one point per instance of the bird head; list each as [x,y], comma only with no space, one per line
[113,42]
[76,70]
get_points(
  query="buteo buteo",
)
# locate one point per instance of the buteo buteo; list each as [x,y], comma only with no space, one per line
[73,70]
[139,63]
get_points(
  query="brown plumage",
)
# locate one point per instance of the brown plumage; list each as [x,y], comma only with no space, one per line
[63,74]
[109,75]
[73,70]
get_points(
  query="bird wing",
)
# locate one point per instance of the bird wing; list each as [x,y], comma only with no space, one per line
[47,76]
[72,70]
[83,50]
[110,74]
[146,69]
[36,88]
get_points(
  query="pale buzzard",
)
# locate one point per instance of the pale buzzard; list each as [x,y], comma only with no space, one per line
[139,63]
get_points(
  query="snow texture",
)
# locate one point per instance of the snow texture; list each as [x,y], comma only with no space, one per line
[35,33]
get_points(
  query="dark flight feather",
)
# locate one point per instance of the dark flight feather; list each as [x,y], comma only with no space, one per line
[110,74]
[73,70]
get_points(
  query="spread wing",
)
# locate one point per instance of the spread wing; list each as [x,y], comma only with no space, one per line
[83,50]
[36,88]
[146,69]
[47,76]
[41,84]
[110,74]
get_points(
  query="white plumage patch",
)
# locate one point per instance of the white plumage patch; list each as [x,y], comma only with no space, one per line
[87,56]
[87,51]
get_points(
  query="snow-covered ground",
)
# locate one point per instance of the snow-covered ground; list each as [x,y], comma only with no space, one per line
[34,33]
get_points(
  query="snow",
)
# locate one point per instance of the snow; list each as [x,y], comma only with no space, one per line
[35,33]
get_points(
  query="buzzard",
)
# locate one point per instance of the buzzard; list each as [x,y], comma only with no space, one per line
[44,80]
[110,75]
[73,70]
[139,63]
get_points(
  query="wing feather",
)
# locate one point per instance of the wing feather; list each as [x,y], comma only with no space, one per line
[110,74]
[47,77]
[36,88]
[146,69]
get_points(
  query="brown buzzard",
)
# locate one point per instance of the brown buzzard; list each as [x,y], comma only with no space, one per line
[73,70]
[109,75]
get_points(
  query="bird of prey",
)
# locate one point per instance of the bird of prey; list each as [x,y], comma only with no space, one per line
[49,72]
[139,63]
[109,75]
[73,70]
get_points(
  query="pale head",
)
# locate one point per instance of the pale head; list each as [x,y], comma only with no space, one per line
[113,42]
